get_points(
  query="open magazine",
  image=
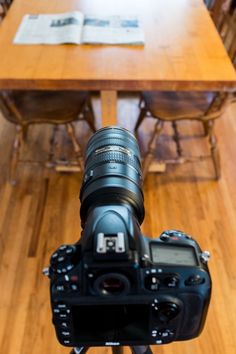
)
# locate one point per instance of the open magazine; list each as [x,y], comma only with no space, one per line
[74,27]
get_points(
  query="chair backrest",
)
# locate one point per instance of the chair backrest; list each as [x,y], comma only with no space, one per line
[209,3]
[232,6]
[218,8]
[4,7]
[8,108]
[227,31]
[3,10]
[6,3]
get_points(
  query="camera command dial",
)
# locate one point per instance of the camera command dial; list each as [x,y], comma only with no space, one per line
[62,260]
[165,311]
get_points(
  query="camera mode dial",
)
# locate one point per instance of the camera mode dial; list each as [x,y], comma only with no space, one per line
[62,260]
[173,235]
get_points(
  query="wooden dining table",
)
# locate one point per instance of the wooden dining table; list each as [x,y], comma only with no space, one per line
[182,51]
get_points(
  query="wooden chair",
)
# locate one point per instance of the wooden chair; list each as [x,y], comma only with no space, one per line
[45,107]
[218,9]
[3,9]
[173,107]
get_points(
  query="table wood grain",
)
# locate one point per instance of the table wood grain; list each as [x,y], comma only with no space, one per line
[182,51]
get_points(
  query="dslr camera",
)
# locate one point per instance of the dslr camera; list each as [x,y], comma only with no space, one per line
[116,287]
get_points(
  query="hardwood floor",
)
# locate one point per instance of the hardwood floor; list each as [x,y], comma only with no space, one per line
[39,214]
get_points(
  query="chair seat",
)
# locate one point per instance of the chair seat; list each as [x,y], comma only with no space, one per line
[177,105]
[49,106]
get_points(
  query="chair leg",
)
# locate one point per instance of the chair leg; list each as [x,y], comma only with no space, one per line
[53,145]
[89,115]
[141,102]
[151,147]
[205,127]
[141,117]
[214,149]
[24,132]
[176,138]
[15,155]
[77,148]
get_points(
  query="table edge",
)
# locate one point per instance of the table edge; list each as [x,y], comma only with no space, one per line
[117,85]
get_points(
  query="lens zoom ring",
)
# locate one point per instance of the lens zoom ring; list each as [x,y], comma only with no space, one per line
[113,156]
[114,141]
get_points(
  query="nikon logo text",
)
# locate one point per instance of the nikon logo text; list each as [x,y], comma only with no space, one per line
[112,343]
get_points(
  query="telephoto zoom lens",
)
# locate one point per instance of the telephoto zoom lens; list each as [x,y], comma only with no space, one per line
[112,172]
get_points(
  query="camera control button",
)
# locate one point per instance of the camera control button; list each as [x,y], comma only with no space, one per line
[54,256]
[74,278]
[67,342]
[65,333]
[194,280]
[64,324]
[70,250]
[74,287]
[171,281]
[152,282]
[63,248]
[166,334]
[56,311]
[61,306]
[60,288]
[69,267]
[165,237]
[154,333]
[63,315]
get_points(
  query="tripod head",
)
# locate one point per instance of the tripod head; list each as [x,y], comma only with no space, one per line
[117,350]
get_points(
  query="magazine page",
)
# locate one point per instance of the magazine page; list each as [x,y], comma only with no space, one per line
[112,30]
[50,29]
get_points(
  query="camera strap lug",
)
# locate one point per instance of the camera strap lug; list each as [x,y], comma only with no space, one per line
[45,272]
[205,256]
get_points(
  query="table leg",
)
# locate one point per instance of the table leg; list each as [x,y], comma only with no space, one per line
[109,108]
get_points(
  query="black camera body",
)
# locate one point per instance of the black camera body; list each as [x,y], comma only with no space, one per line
[123,289]
[115,287]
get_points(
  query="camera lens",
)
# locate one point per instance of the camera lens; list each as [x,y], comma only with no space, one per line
[111,284]
[112,172]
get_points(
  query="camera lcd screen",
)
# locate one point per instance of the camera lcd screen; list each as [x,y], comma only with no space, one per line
[173,255]
[105,323]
